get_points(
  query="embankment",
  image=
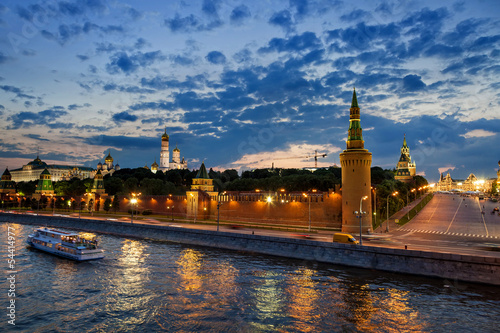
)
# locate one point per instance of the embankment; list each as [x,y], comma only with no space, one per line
[442,265]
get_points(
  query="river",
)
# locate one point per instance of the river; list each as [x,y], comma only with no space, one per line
[150,286]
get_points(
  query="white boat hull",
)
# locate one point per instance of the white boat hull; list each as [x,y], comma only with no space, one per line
[51,241]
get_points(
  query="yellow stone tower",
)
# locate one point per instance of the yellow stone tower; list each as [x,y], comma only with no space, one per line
[356,178]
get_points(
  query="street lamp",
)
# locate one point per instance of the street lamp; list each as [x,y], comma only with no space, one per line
[387,225]
[218,208]
[133,201]
[360,215]
[308,195]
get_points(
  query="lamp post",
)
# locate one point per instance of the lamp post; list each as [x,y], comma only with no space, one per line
[218,208]
[360,218]
[387,225]
[133,201]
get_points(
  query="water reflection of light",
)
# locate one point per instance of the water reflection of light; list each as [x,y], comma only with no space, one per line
[269,300]
[189,266]
[384,310]
[133,274]
[303,295]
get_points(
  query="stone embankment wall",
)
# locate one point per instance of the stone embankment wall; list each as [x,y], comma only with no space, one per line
[442,265]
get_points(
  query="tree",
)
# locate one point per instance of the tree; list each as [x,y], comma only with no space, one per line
[152,186]
[91,205]
[113,185]
[26,188]
[76,188]
[116,203]
[107,205]
[131,185]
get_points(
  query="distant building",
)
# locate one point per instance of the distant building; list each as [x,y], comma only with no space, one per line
[33,169]
[406,169]
[472,183]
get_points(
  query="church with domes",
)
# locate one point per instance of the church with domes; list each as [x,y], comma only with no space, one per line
[108,167]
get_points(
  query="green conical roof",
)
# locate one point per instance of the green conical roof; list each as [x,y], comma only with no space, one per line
[45,172]
[6,172]
[202,173]
[404,142]
[354,103]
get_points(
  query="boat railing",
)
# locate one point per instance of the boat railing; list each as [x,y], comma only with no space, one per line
[87,244]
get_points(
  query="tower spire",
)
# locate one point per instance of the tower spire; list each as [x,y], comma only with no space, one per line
[355,132]
[354,103]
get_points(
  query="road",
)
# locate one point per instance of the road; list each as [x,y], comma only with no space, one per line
[454,223]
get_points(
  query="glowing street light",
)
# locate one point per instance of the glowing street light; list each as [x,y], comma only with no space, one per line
[133,201]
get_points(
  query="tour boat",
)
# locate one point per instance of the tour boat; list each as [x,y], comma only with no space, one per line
[65,244]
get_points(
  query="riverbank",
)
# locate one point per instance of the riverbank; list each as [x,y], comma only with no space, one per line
[468,268]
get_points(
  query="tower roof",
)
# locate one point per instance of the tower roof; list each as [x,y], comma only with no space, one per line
[176,149]
[6,172]
[164,137]
[202,173]
[404,142]
[109,158]
[354,103]
[45,172]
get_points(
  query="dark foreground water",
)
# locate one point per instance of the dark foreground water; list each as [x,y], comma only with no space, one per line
[149,286]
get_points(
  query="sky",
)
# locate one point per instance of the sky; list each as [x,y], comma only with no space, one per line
[246,85]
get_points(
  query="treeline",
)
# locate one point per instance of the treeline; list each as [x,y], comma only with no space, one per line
[177,182]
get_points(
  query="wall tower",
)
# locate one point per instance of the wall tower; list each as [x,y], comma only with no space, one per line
[356,178]
[406,169]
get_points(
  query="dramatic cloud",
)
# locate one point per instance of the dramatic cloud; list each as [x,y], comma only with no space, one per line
[282,19]
[240,14]
[124,117]
[30,119]
[216,57]
[122,62]
[252,79]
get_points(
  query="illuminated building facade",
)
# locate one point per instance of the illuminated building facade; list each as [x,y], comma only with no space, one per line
[472,183]
[356,178]
[33,170]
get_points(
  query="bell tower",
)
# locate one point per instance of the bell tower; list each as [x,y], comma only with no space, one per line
[356,178]
[164,154]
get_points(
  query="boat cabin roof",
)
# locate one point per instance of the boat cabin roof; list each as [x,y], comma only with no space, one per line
[57,232]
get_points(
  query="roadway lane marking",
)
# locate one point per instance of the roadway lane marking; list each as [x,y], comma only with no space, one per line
[482,216]
[448,233]
[456,212]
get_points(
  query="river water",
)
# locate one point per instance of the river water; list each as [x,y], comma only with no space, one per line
[151,286]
